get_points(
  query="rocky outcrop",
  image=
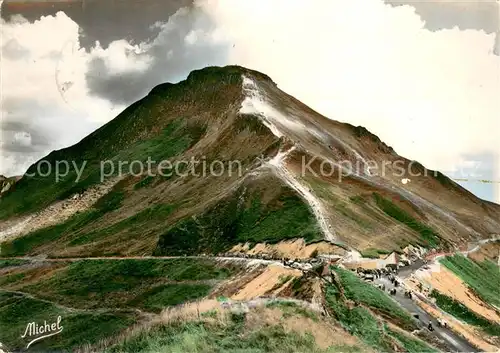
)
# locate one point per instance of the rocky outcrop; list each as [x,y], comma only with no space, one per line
[6,183]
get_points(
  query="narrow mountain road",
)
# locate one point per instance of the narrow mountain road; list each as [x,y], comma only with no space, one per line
[76,310]
[99,258]
[244,305]
[455,342]
[473,247]
[452,340]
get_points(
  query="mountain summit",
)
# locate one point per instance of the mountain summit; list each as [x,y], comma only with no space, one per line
[248,164]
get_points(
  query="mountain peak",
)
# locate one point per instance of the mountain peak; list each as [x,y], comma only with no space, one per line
[230,74]
[218,72]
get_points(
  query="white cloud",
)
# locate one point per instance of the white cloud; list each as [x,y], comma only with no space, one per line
[51,77]
[433,96]
[121,57]
[23,138]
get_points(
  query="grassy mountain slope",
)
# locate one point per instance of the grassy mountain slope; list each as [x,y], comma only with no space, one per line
[200,118]
[97,299]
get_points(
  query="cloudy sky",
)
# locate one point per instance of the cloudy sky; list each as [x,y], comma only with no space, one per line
[422,75]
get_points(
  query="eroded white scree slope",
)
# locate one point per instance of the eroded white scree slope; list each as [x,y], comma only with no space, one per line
[278,164]
[256,103]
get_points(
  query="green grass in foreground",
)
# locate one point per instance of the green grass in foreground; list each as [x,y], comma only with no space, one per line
[16,312]
[463,313]
[483,278]
[360,291]
[291,309]
[156,299]
[116,283]
[224,337]
[358,321]
[411,344]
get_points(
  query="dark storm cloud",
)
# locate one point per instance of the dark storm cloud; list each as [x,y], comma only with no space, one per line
[29,128]
[172,59]
[102,20]
[110,20]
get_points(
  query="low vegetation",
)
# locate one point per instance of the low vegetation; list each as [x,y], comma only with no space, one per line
[339,205]
[464,314]
[13,262]
[224,334]
[26,244]
[129,227]
[429,236]
[231,221]
[159,297]
[11,278]
[411,344]
[289,308]
[79,328]
[374,253]
[483,277]
[357,199]
[358,321]
[203,337]
[146,284]
[147,180]
[344,209]
[71,231]
[359,291]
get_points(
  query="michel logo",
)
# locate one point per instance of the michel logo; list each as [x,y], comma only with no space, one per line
[34,330]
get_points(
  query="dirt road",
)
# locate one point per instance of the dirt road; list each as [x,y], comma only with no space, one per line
[73,259]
